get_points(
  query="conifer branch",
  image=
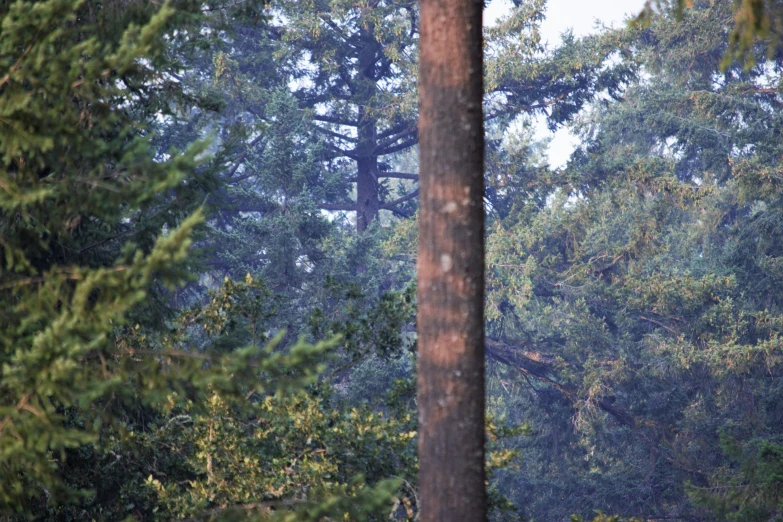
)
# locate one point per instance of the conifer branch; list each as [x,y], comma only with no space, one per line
[396,137]
[407,197]
[335,134]
[335,120]
[19,407]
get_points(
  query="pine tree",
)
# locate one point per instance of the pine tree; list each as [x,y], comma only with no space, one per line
[354,68]
[96,224]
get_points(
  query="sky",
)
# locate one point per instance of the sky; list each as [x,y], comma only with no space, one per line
[581,16]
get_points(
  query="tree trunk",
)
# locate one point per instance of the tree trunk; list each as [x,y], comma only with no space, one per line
[451,263]
[367,201]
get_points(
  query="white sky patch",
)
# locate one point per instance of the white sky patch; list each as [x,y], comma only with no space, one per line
[583,17]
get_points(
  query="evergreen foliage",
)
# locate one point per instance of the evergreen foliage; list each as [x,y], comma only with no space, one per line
[639,303]
[96,224]
[79,180]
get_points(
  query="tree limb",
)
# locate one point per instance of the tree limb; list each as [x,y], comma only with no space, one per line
[389,174]
[399,212]
[407,197]
[401,146]
[524,108]
[335,120]
[396,137]
[394,129]
[335,134]
[341,152]
[398,175]
[537,365]
[348,206]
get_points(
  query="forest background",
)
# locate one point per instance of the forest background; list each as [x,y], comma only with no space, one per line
[208,240]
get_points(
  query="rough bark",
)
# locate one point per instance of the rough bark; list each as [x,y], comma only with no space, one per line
[451,263]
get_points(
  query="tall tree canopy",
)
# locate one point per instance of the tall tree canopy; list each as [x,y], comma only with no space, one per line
[639,303]
[352,69]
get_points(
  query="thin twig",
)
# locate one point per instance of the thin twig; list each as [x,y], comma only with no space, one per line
[21,405]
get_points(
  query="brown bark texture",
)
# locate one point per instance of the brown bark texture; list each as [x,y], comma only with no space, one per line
[450,319]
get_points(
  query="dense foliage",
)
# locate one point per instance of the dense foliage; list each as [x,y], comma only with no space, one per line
[208,217]
[100,371]
[640,302]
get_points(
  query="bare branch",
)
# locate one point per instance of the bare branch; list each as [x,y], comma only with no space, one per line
[394,129]
[407,197]
[348,206]
[390,174]
[524,108]
[398,175]
[401,146]
[69,275]
[335,120]
[396,137]
[19,407]
[340,152]
[399,212]
[336,135]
